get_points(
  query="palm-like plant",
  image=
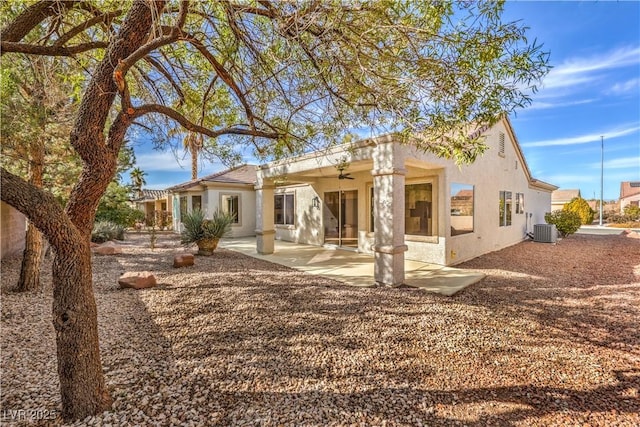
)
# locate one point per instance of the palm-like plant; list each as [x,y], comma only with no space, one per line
[205,232]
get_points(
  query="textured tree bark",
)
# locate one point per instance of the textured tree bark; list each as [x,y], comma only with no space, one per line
[32,256]
[31,261]
[82,384]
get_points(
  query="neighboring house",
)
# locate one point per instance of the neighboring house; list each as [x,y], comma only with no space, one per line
[156,206]
[629,194]
[231,190]
[398,202]
[12,231]
[559,198]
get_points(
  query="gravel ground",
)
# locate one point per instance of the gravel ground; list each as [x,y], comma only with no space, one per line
[550,337]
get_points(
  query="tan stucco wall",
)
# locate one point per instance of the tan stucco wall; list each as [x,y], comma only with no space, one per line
[12,231]
[490,174]
[628,200]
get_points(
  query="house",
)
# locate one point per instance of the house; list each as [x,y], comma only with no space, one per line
[559,198]
[154,204]
[629,194]
[12,231]
[231,190]
[399,203]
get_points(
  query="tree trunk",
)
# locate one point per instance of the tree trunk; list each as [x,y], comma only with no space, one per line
[82,383]
[194,162]
[31,261]
[32,256]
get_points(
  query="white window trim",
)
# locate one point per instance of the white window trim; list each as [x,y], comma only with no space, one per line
[285,193]
[434,211]
[239,195]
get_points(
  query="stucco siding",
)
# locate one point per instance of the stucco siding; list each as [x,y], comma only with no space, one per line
[12,231]
[247,221]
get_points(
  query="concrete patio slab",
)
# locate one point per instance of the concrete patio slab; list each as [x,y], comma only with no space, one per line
[356,269]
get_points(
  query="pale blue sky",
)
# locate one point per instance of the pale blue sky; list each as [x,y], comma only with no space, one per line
[592,90]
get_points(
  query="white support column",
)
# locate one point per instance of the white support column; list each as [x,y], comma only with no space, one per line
[388,210]
[265,229]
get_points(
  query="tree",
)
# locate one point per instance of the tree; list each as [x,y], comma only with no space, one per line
[137,180]
[35,111]
[287,77]
[193,144]
[581,207]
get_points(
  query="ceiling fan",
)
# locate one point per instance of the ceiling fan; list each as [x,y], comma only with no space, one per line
[343,175]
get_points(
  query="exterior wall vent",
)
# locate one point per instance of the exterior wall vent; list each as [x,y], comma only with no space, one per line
[501,144]
[545,233]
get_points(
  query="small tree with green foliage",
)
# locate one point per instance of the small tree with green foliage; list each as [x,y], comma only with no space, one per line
[566,222]
[632,212]
[582,208]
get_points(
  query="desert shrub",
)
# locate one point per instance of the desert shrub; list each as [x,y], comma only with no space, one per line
[104,231]
[122,215]
[582,208]
[632,212]
[566,222]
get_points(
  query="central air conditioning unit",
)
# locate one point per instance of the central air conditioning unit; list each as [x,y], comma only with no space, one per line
[545,233]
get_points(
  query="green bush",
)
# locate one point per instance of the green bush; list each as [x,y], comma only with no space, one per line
[632,212]
[566,222]
[104,231]
[123,215]
[582,208]
[196,227]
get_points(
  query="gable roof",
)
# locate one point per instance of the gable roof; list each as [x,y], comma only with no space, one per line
[149,195]
[564,195]
[244,174]
[629,188]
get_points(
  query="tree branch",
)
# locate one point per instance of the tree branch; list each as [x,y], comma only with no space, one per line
[105,17]
[31,17]
[32,49]
[41,207]
[240,129]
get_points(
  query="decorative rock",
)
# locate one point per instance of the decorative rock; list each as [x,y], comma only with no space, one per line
[137,280]
[108,249]
[183,260]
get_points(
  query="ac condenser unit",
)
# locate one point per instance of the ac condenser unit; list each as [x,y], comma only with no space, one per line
[545,233]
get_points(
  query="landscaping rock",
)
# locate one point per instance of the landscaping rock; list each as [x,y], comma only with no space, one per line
[183,260]
[137,280]
[108,248]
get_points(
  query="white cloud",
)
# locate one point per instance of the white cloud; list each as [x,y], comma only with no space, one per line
[539,105]
[164,161]
[584,139]
[625,88]
[578,71]
[620,163]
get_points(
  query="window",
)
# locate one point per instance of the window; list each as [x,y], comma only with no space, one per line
[462,196]
[501,144]
[371,217]
[505,208]
[284,212]
[183,206]
[418,210]
[519,203]
[196,203]
[230,204]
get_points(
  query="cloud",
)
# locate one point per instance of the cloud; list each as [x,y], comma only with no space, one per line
[538,105]
[164,161]
[620,163]
[584,139]
[625,88]
[579,71]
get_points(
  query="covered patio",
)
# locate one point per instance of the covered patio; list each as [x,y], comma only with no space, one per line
[356,269]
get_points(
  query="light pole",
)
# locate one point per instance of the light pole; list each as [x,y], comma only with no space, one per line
[601,174]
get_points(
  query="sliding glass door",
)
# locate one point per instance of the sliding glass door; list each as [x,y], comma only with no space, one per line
[340,216]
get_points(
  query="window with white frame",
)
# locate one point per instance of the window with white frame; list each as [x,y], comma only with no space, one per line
[183,206]
[230,204]
[506,203]
[284,209]
[462,201]
[196,203]
[519,203]
[418,209]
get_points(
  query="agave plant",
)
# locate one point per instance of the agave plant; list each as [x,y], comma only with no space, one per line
[205,232]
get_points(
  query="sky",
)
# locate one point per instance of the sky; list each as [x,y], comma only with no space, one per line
[593,90]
